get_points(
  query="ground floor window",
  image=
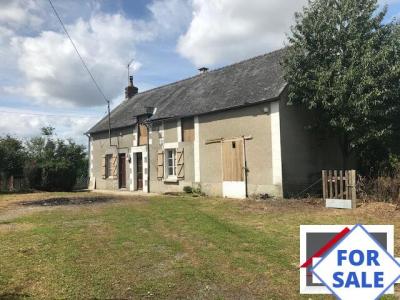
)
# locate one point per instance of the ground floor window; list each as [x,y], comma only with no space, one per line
[170,163]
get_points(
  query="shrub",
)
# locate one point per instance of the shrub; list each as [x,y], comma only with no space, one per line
[55,163]
[381,188]
[188,189]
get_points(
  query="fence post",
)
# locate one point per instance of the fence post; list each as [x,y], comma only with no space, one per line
[324,191]
[353,191]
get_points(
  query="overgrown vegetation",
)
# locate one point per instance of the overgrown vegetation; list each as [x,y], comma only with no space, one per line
[49,163]
[343,65]
[384,187]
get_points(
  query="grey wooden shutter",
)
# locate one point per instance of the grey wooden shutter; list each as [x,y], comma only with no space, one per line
[180,164]
[160,165]
[115,166]
[103,167]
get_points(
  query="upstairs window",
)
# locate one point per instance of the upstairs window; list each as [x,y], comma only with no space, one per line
[187,129]
[142,134]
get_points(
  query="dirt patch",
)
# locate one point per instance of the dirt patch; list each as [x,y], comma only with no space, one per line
[68,201]
[282,205]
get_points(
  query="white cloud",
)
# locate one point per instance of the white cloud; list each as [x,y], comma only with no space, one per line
[27,124]
[228,30]
[223,31]
[170,16]
[16,13]
[54,72]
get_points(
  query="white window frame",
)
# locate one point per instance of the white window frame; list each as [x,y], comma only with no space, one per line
[167,165]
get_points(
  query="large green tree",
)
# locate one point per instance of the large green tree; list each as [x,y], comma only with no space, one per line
[55,164]
[12,156]
[343,64]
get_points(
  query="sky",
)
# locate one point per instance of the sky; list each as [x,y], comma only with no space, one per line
[43,83]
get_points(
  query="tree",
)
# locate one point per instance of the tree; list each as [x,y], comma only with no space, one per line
[12,156]
[343,65]
[55,163]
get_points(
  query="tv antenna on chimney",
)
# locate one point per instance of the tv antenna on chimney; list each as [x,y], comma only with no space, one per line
[129,66]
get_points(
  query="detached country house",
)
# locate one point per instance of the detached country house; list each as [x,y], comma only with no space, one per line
[229,131]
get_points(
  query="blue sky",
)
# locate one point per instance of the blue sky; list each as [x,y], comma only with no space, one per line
[43,83]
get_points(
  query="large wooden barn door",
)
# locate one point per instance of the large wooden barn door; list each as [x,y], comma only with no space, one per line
[234,185]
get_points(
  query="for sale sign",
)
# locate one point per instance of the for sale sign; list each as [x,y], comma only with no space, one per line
[356,262]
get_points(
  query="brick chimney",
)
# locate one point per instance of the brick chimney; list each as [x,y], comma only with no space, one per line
[130,90]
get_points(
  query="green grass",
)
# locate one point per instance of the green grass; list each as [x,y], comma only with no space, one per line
[160,247]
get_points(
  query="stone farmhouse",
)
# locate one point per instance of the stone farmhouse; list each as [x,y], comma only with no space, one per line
[228,131]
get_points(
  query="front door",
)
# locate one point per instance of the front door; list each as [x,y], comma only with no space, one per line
[122,170]
[234,185]
[139,171]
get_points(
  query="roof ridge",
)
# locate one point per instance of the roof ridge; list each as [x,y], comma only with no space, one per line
[211,71]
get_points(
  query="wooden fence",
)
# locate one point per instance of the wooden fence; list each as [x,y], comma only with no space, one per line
[339,185]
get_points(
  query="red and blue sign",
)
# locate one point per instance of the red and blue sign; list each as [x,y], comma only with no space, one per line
[356,262]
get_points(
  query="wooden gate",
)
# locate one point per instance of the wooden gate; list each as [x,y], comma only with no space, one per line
[339,186]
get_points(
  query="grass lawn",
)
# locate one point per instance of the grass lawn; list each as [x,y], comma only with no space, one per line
[162,247]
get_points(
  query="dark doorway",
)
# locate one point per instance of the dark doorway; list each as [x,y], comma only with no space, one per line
[139,171]
[122,170]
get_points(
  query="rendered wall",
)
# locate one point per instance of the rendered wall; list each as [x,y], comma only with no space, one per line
[251,121]
[121,141]
[304,154]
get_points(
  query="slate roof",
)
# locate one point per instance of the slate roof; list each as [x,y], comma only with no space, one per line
[255,80]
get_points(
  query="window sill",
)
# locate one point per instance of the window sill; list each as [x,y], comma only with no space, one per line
[171,179]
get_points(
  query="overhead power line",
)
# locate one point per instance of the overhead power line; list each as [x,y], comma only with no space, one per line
[77,52]
[87,69]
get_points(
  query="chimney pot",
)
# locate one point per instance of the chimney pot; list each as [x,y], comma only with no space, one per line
[130,90]
[203,70]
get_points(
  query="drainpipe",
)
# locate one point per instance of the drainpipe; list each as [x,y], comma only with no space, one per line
[90,161]
[150,111]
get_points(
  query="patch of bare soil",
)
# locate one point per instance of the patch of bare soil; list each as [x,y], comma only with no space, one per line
[69,201]
[282,205]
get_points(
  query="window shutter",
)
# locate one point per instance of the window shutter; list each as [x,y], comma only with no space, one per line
[160,165]
[142,135]
[114,166]
[103,167]
[180,164]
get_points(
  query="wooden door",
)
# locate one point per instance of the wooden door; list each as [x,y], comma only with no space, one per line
[122,170]
[234,184]
[139,171]
[232,157]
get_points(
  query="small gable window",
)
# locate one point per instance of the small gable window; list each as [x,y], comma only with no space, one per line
[187,129]
[142,133]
